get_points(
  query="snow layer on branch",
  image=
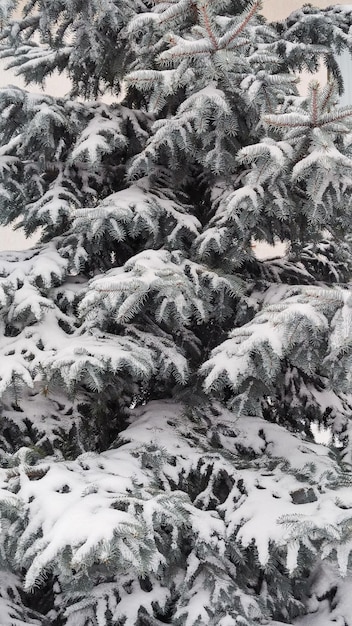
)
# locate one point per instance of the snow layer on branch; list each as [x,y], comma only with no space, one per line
[257,348]
[66,155]
[99,508]
[127,288]
[26,279]
[138,211]
[175,284]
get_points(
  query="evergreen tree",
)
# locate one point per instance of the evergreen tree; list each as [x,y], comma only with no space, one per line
[159,384]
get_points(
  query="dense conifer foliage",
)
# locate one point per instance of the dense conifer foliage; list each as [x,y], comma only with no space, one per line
[160,385]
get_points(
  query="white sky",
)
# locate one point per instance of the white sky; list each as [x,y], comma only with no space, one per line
[58,85]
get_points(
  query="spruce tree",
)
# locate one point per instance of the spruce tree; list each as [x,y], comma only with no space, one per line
[159,384]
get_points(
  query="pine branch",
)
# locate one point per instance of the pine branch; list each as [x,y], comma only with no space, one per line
[227,39]
[203,9]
